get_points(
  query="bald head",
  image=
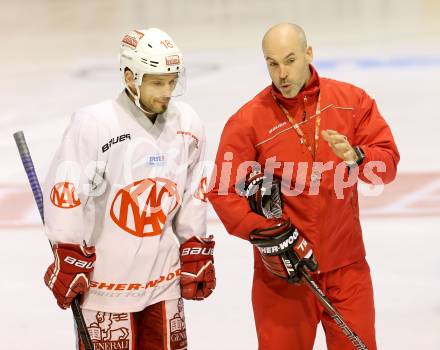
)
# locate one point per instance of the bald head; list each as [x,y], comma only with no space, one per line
[285,33]
[288,57]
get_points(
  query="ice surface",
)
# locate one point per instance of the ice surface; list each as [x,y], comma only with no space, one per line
[66,58]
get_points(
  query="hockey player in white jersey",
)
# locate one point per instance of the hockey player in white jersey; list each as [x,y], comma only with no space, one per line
[125,205]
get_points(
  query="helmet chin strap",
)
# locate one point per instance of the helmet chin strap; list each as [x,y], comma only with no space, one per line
[137,101]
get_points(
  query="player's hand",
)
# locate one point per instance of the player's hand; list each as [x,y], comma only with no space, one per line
[69,274]
[340,146]
[197,280]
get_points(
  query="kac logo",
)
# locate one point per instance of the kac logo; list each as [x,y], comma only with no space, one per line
[142,207]
[202,190]
[63,195]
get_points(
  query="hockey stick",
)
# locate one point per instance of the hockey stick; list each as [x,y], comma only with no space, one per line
[325,302]
[38,196]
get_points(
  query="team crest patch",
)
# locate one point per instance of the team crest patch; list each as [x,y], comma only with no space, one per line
[132,38]
[172,60]
[142,207]
[63,195]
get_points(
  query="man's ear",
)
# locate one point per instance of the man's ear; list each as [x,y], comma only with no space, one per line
[128,75]
[129,80]
[309,54]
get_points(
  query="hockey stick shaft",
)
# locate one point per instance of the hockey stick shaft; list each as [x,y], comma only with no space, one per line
[325,302]
[29,168]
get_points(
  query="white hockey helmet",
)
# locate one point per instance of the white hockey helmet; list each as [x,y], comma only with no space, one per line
[150,51]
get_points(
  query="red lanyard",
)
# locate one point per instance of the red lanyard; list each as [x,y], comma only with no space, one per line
[297,128]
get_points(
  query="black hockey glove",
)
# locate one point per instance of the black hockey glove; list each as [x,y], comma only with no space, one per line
[283,249]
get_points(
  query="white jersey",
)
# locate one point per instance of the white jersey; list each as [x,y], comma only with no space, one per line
[130,188]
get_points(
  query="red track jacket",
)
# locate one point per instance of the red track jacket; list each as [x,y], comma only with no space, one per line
[325,212]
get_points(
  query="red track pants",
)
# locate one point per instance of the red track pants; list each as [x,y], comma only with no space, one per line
[287,316]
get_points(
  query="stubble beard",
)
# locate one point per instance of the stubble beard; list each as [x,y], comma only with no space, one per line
[298,86]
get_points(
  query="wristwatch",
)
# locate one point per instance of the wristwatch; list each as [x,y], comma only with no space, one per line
[360,154]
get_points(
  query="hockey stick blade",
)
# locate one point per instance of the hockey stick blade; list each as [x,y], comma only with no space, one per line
[29,168]
[325,302]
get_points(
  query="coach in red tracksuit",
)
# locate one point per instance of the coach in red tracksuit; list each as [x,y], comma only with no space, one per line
[316,134]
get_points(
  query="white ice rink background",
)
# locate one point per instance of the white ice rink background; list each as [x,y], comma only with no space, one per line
[57,56]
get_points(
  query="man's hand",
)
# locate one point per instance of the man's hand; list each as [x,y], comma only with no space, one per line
[283,250]
[69,274]
[340,146]
[197,280]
